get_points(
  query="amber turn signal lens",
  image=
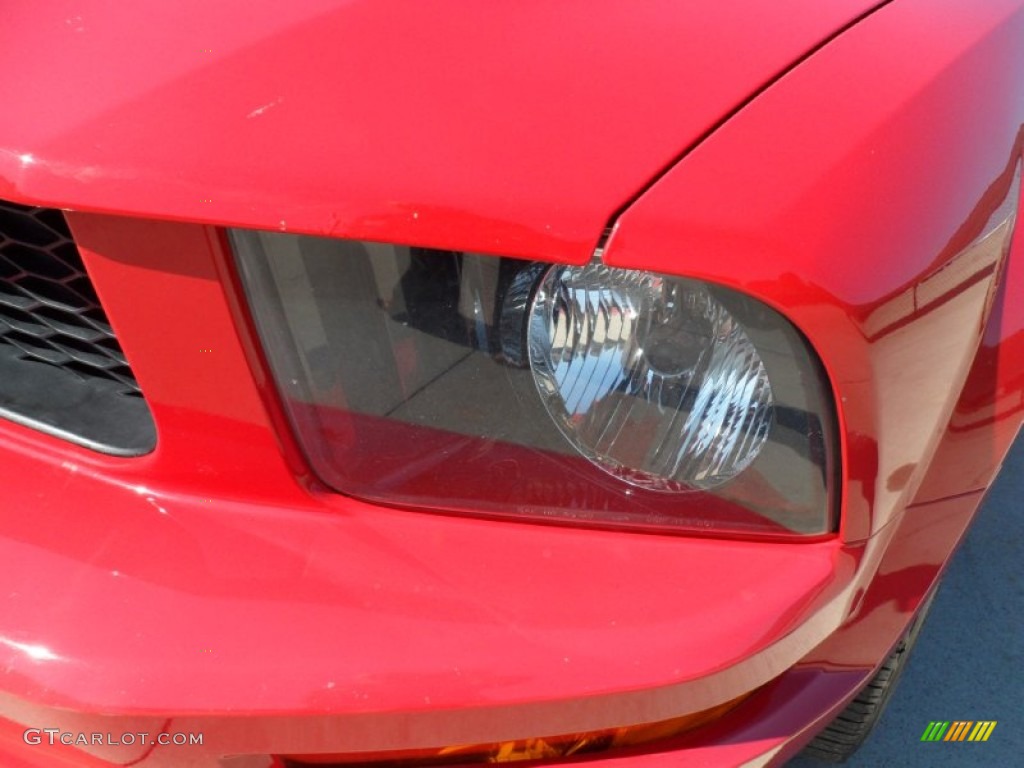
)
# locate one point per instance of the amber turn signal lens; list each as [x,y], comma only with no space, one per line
[542,748]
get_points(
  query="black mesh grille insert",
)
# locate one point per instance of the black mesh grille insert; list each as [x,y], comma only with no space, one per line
[60,364]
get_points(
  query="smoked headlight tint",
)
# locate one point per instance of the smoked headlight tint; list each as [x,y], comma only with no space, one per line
[493,386]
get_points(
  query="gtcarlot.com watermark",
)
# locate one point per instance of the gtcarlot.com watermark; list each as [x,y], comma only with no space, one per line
[54,736]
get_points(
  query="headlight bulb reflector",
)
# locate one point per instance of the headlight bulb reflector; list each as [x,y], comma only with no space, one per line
[648,376]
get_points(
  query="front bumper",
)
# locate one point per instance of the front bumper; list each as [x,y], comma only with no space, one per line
[285,665]
[160,594]
[212,586]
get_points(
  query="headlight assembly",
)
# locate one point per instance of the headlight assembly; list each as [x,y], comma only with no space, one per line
[493,386]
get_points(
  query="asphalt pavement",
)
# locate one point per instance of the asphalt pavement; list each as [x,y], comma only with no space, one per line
[969,659]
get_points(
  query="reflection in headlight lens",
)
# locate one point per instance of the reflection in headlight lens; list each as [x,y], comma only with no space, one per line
[500,387]
[648,376]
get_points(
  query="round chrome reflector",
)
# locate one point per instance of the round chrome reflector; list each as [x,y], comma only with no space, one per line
[648,376]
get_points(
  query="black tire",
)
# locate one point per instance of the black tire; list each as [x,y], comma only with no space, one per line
[851,728]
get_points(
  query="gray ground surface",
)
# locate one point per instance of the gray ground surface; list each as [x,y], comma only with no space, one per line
[968,661]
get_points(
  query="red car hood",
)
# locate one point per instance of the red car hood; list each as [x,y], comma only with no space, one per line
[512,128]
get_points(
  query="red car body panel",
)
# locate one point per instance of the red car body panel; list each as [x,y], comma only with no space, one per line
[511,129]
[214,585]
[856,224]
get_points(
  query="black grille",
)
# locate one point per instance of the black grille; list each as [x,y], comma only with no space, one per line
[55,334]
[48,308]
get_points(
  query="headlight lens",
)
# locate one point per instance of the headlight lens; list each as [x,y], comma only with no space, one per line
[648,376]
[493,386]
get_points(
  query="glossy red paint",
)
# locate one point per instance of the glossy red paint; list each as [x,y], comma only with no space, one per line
[214,585]
[215,521]
[511,128]
[989,412]
[860,225]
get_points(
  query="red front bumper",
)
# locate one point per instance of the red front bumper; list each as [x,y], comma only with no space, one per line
[214,587]
[230,620]
[209,588]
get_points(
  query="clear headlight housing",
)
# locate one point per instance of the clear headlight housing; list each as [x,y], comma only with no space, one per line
[494,386]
